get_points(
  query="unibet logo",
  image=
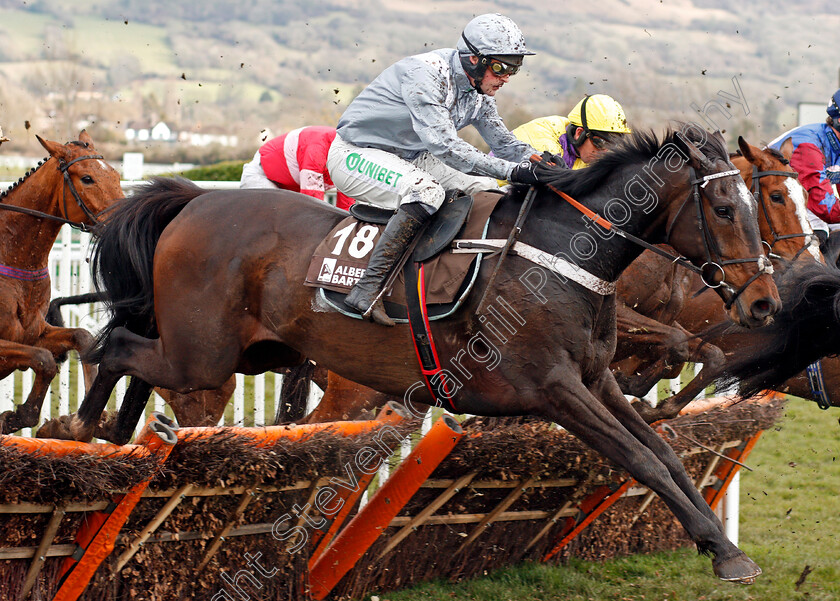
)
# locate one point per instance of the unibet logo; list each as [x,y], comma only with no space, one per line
[327,268]
[371,170]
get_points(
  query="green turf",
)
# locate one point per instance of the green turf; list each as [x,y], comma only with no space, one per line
[790,518]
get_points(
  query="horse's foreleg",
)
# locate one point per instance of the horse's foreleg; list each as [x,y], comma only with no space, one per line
[639,450]
[13,357]
[712,359]
[59,340]
[659,346]
[344,399]
[199,408]
[730,563]
[799,386]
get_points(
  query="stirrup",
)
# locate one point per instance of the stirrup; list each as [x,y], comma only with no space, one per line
[376,314]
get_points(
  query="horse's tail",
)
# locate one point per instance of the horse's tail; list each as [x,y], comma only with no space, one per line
[124,251]
[294,392]
[53,316]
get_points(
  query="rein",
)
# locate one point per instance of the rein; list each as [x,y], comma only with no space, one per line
[756,190]
[711,265]
[63,167]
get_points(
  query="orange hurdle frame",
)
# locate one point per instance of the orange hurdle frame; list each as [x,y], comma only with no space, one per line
[366,526]
[390,414]
[98,534]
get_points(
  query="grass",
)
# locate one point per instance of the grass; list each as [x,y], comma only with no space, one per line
[790,518]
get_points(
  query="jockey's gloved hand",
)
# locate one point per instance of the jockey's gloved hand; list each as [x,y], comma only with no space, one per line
[534,171]
[556,159]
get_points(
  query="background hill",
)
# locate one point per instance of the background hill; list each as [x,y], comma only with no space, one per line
[256,64]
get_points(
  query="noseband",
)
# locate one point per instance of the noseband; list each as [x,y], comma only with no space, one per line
[810,239]
[63,166]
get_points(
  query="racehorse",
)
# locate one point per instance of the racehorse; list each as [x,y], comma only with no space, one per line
[72,185]
[668,332]
[212,281]
[655,296]
[659,310]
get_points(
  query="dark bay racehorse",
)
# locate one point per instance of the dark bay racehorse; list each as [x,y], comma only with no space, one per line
[212,281]
[72,185]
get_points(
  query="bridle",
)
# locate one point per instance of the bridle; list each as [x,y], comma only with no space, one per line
[63,166]
[810,239]
[713,264]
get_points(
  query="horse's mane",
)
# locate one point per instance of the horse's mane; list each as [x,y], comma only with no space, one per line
[805,329]
[15,185]
[831,248]
[638,147]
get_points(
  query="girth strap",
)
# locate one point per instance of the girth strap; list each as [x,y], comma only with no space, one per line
[421,336]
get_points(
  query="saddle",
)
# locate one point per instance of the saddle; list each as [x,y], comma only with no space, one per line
[339,261]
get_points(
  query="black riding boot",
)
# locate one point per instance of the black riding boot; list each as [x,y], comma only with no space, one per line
[395,239]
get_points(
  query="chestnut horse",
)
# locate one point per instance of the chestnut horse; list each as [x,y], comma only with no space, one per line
[204,284]
[657,314]
[72,185]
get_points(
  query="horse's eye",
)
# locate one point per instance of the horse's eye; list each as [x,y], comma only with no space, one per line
[777,197]
[86,179]
[724,212]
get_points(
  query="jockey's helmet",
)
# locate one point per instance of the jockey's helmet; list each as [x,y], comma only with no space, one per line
[601,118]
[833,109]
[498,44]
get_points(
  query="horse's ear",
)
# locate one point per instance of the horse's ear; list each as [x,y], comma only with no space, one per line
[54,148]
[750,152]
[85,137]
[695,156]
[787,148]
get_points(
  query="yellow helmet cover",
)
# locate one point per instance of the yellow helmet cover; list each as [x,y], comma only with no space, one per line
[600,112]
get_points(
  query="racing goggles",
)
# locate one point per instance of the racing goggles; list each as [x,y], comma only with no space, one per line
[500,69]
[600,141]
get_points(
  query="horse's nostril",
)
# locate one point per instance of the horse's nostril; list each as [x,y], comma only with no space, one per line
[763,308]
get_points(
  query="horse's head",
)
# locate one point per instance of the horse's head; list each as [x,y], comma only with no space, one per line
[90,184]
[782,219]
[721,232]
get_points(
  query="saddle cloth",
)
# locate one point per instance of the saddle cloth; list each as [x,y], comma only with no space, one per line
[341,258]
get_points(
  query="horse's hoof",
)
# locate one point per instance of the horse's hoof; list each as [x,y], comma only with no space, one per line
[106,429]
[7,422]
[56,428]
[740,569]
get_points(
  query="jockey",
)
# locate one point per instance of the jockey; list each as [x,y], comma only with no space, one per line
[814,153]
[594,124]
[397,145]
[295,161]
